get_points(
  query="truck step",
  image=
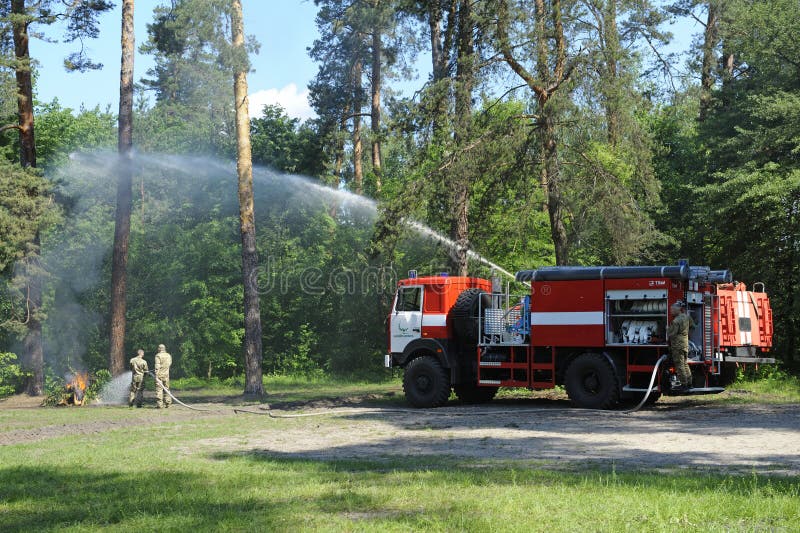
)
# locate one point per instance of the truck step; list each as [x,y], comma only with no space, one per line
[697,391]
[628,388]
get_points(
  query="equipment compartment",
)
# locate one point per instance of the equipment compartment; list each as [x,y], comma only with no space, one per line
[636,318]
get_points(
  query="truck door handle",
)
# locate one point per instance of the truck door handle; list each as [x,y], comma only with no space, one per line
[415,329]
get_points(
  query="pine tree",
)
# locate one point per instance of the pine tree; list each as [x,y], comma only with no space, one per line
[19,17]
[122,221]
[244,166]
[550,75]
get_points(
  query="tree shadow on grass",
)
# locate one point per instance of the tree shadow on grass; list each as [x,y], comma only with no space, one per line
[445,470]
[34,499]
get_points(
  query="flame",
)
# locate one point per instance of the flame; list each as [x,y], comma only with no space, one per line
[80,381]
[77,386]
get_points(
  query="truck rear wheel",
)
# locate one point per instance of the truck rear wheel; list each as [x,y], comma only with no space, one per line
[426,383]
[591,382]
[474,394]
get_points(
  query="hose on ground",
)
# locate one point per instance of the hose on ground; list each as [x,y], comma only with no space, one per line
[160,384]
[268,412]
[649,387]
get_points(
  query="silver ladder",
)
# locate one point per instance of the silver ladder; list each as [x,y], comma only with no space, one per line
[711,343]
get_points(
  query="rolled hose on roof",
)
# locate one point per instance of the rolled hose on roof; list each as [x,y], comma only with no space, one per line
[603,272]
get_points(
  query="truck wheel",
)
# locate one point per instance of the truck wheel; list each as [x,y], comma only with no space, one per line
[474,394]
[591,382]
[426,383]
[464,314]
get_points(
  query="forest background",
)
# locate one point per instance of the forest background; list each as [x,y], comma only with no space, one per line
[544,132]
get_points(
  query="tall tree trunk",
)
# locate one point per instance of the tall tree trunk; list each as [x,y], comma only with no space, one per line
[27,144]
[33,351]
[612,87]
[710,42]
[544,84]
[435,27]
[377,51]
[358,144]
[244,166]
[122,220]
[338,165]
[32,344]
[465,82]
[551,171]
[555,203]
[440,57]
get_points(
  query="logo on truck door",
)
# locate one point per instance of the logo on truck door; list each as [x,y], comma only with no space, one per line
[658,283]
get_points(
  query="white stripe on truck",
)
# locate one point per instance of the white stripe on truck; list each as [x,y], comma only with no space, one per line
[580,318]
[434,320]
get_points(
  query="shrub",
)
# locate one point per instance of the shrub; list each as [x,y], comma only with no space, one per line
[96,383]
[12,377]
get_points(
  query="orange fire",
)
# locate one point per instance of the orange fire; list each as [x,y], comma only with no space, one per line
[76,388]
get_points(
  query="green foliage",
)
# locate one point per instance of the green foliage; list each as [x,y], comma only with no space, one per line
[642,181]
[60,131]
[299,362]
[53,389]
[97,381]
[81,22]
[192,79]
[281,143]
[25,209]
[12,377]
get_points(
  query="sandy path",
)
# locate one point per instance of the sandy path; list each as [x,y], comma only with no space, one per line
[742,438]
[761,438]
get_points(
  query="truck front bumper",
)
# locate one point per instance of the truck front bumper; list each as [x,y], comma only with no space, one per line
[387,360]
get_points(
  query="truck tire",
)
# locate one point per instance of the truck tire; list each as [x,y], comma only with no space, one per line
[473,394]
[591,382]
[464,314]
[426,383]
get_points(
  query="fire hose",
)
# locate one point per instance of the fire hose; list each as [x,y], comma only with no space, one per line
[268,412]
[165,389]
[649,387]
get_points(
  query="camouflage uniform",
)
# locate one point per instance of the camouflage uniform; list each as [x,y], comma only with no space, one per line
[138,369]
[678,333]
[163,362]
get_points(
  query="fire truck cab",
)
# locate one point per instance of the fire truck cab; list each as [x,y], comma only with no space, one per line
[598,331]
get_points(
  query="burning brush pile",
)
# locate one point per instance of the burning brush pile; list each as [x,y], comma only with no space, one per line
[75,389]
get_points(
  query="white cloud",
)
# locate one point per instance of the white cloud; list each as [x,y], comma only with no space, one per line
[293,101]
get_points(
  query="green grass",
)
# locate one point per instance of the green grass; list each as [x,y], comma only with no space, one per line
[771,385]
[288,390]
[164,477]
[214,472]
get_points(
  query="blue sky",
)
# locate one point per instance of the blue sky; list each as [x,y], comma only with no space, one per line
[285,29]
[282,69]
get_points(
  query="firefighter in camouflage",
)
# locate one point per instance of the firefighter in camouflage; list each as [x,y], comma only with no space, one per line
[163,362]
[138,370]
[678,333]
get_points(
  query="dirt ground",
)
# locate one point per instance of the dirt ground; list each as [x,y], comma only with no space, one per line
[672,434]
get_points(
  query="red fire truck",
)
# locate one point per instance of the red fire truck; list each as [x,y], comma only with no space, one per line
[598,331]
